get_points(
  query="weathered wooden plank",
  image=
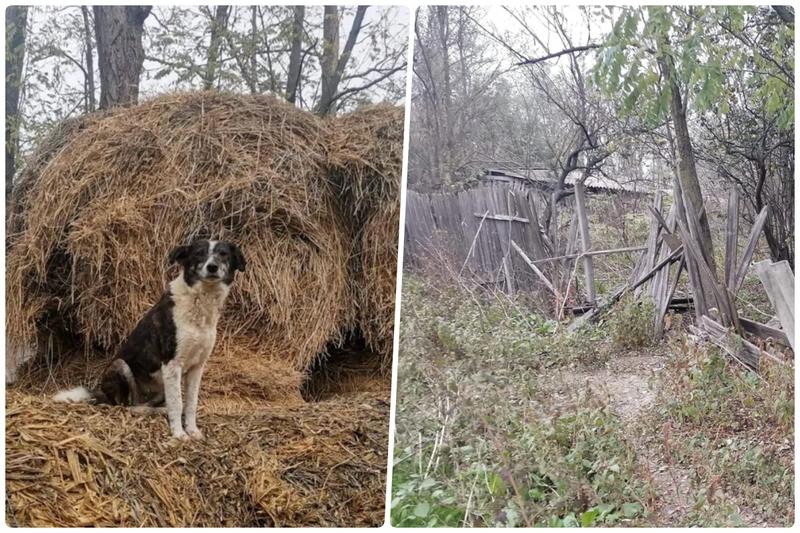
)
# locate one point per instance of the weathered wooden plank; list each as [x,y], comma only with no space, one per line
[554,226]
[566,264]
[647,260]
[749,249]
[778,280]
[474,240]
[591,253]
[725,304]
[508,275]
[420,225]
[671,258]
[743,352]
[504,218]
[734,345]
[583,221]
[765,332]
[471,229]
[695,278]
[662,224]
[534,268]
[508,269]
[664,304]
[528,238]
[655,230]
[660,284]
[732,237]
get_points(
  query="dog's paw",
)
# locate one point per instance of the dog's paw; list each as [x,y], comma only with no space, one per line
[177,437]
[195,434]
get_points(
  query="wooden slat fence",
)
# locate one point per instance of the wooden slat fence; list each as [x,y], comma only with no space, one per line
[451,220]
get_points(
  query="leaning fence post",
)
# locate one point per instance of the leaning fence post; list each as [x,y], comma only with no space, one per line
[583,221]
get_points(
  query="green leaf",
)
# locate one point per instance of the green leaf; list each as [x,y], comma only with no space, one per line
[496,484]
[427,483]
[422,509]
[570,520]
[588,517]
[632,509]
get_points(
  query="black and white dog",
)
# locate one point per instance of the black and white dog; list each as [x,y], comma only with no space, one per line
[174,339]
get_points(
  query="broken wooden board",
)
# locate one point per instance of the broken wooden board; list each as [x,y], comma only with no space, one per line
[765,332]
[749,249]
[621,291]
[742,350]
[732,237]
[778,280]
[583,221]
[533,267]
[503,218]
[724,299]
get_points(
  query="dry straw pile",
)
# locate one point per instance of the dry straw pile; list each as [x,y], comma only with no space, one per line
[106,197]
[314,205]
[366,158]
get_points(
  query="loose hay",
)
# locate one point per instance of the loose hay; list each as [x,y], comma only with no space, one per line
[320,464]
[366,158]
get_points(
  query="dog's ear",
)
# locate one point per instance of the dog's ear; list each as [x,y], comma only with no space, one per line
[239,261]
[179,254]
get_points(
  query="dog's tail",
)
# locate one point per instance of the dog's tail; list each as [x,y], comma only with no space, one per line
[75,395]
[117,387]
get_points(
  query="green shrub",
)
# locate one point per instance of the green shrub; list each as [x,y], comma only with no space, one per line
[631,323]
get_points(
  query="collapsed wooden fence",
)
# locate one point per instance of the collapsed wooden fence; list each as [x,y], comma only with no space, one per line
[494,229]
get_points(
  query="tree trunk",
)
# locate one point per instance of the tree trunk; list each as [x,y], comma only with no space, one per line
[253,50]
[333,65]
[120,52]
[16,22]
[330,53]
[295,56]
[443,16]
[687,171]
[87,35]
[218,26]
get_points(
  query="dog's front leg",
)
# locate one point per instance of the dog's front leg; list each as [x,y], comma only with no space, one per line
[193,377]
[171,374]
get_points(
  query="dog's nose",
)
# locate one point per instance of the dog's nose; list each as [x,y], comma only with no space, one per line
[212,268]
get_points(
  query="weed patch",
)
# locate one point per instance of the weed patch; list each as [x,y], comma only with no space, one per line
[734,429]
[631,323]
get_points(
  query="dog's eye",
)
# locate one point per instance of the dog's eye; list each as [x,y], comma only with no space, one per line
[223,254]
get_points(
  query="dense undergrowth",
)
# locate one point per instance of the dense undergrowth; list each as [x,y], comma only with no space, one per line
[481,440]
[733,431]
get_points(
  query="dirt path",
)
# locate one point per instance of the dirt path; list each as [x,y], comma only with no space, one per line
[627,384]
[624,383]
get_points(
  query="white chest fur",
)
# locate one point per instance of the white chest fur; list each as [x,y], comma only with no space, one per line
[196,313]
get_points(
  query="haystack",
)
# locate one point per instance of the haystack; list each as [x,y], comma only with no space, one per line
[99,211]
[94,216]
[366,159]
